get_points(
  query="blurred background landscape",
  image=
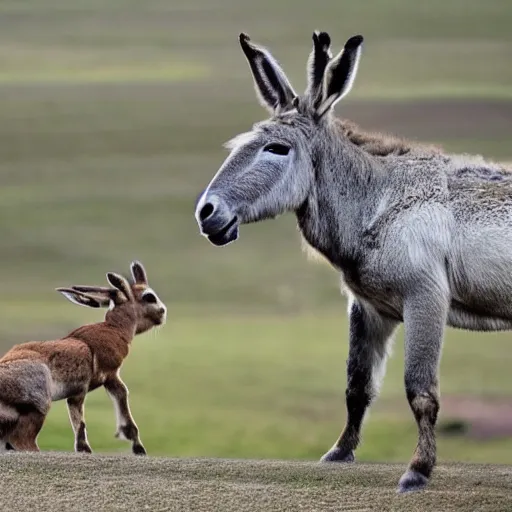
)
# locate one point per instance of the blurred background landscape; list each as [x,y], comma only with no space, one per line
[113,114]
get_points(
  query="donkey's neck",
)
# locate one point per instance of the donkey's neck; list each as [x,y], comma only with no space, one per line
[341,203]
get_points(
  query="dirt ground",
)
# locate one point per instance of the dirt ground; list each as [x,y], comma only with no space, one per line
[57,482]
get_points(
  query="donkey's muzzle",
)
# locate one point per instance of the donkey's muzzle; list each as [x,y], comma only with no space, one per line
[216,221]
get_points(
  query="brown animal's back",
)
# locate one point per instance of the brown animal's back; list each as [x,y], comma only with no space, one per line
[95,346]
[109,345]
[69,360]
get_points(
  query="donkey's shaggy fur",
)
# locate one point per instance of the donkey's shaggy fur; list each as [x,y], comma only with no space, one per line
[381,144]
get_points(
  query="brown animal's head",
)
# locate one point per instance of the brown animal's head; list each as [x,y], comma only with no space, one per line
[129,301]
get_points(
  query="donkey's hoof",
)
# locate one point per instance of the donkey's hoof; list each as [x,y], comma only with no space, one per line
[338,455]
[412,481]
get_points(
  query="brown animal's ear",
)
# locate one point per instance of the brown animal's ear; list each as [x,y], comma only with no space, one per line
[273,88]
[317,62]
[102,290]
[139,272]
[121,284]
[340,74]
[102,293]
[84,299]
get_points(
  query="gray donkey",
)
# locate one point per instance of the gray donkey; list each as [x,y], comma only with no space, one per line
[419,236]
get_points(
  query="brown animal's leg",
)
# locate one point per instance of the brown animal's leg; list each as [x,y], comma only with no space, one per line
[6,428]
[424,320]
[126,427]
[369,335]
[8,419]
[76,417]
[24,435]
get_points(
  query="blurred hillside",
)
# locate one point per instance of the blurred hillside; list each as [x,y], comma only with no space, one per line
[113,118]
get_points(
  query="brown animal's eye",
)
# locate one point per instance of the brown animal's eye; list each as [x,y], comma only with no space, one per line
[149,298]
[277,149]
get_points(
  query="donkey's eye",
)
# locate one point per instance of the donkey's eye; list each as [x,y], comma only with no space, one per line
[149,298]
[277,149]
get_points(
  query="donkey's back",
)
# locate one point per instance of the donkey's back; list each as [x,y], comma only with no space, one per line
[480,265]
[451,216]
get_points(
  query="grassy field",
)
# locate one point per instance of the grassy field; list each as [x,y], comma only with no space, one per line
[272,387]
[129,483]
[113,118]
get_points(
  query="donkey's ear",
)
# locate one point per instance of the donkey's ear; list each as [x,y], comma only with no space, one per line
[121,284]
[139,273]
[340,74]
[83,299]
[317,62]
[272,86]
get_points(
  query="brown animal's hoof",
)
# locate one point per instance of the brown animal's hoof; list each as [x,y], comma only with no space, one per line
[337,455]
[138,449]
[83,448]
[412,481]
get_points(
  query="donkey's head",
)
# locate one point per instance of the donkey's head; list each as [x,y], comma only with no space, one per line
[271,169]
[129,301]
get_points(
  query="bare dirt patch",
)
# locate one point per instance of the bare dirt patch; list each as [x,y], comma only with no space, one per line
[482,417]
[475,417]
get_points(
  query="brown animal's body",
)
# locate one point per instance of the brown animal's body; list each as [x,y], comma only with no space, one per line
[34,374]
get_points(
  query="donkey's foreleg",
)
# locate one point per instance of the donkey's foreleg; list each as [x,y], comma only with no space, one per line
[369,335]
[126,426]
[424,321]
[76,417]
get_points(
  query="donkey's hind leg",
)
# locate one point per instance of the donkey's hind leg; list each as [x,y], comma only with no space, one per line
[369,338]
[24,435]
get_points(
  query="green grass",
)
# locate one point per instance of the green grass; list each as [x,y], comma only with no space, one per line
[272,387]
[56,482]
[113,116]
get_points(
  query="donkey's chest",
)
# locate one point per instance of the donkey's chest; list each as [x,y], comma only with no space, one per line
[373,288]
[360,276]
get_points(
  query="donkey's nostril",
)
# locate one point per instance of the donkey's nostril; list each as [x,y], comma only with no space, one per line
[206,211]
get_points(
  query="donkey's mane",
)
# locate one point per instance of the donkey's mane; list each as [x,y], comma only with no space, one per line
[381,144]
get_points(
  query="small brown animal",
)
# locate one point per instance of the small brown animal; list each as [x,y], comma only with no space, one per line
[34,374]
